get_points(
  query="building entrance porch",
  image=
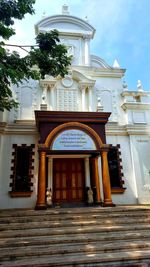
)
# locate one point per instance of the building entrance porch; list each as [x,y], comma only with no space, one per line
[70,140]
[69,176]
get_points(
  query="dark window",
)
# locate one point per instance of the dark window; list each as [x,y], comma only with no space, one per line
[22,169]
[115,168]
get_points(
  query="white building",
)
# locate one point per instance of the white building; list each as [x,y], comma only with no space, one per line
[77,132]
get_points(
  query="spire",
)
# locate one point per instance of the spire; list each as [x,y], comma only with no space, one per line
[65,10]
[116,64]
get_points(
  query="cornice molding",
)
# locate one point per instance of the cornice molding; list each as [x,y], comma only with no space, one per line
[115,129]
[46,83]
[135,93]
[20,128]
[99,72]
[135,105]
[112,129]
[126,130]
[138,129]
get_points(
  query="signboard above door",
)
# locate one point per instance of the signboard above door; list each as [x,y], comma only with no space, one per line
[73,140]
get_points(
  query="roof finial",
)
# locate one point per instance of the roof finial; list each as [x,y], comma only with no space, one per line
[99,104]
[139,86]
[125,86]
[86,19]
[116,64]
[65,10]
[43,15]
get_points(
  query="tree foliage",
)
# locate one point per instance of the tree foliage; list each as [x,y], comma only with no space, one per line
[49,56]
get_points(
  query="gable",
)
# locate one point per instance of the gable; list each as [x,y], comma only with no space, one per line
[65,24]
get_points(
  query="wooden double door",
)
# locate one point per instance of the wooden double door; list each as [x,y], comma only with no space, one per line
[68,180]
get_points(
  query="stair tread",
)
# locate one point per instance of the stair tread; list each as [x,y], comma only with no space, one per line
[80,211]
[57,223]
[70,248]
[19,241]
[79,258]
[73,214]
[73,229]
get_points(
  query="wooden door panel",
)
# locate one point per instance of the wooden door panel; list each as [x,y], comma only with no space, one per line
[68,180]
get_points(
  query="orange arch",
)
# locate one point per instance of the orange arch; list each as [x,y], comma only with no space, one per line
[73,125]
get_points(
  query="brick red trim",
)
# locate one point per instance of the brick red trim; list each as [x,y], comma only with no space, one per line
[13,192]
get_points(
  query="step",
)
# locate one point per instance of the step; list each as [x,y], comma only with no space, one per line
[71,238]
[80,259]
[72,217]
[72,230]
[64,223]
[80,211]
[91,247]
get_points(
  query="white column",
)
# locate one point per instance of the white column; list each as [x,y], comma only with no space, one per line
[81,53]
[52,97]
[87,51]
[83,98]
[87,172]
[90,98]
[44,95]
[50,173]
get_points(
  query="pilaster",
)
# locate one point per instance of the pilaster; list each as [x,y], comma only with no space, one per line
[95,177]
[87,172]
[90,97]
[41,198]
[106,178]
[86,50]
[83,89]
[50,173]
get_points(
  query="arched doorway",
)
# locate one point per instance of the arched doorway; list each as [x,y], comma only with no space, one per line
[70,173]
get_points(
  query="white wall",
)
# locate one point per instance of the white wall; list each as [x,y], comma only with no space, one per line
[140,147]
[130,194]
[5,171]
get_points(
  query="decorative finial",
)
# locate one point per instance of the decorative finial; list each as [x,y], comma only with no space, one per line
[99,105]
[65,10]
[86,19]
[139,86]
[44,14]
[125,86]
[116,64]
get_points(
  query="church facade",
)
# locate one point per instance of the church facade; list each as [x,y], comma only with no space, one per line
[84,131]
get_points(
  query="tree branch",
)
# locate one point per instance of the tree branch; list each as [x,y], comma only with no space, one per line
[19,46]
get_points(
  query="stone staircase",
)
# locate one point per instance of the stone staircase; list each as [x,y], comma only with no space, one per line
[89,236]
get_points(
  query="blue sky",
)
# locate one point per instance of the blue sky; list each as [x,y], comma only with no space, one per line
[122,32]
